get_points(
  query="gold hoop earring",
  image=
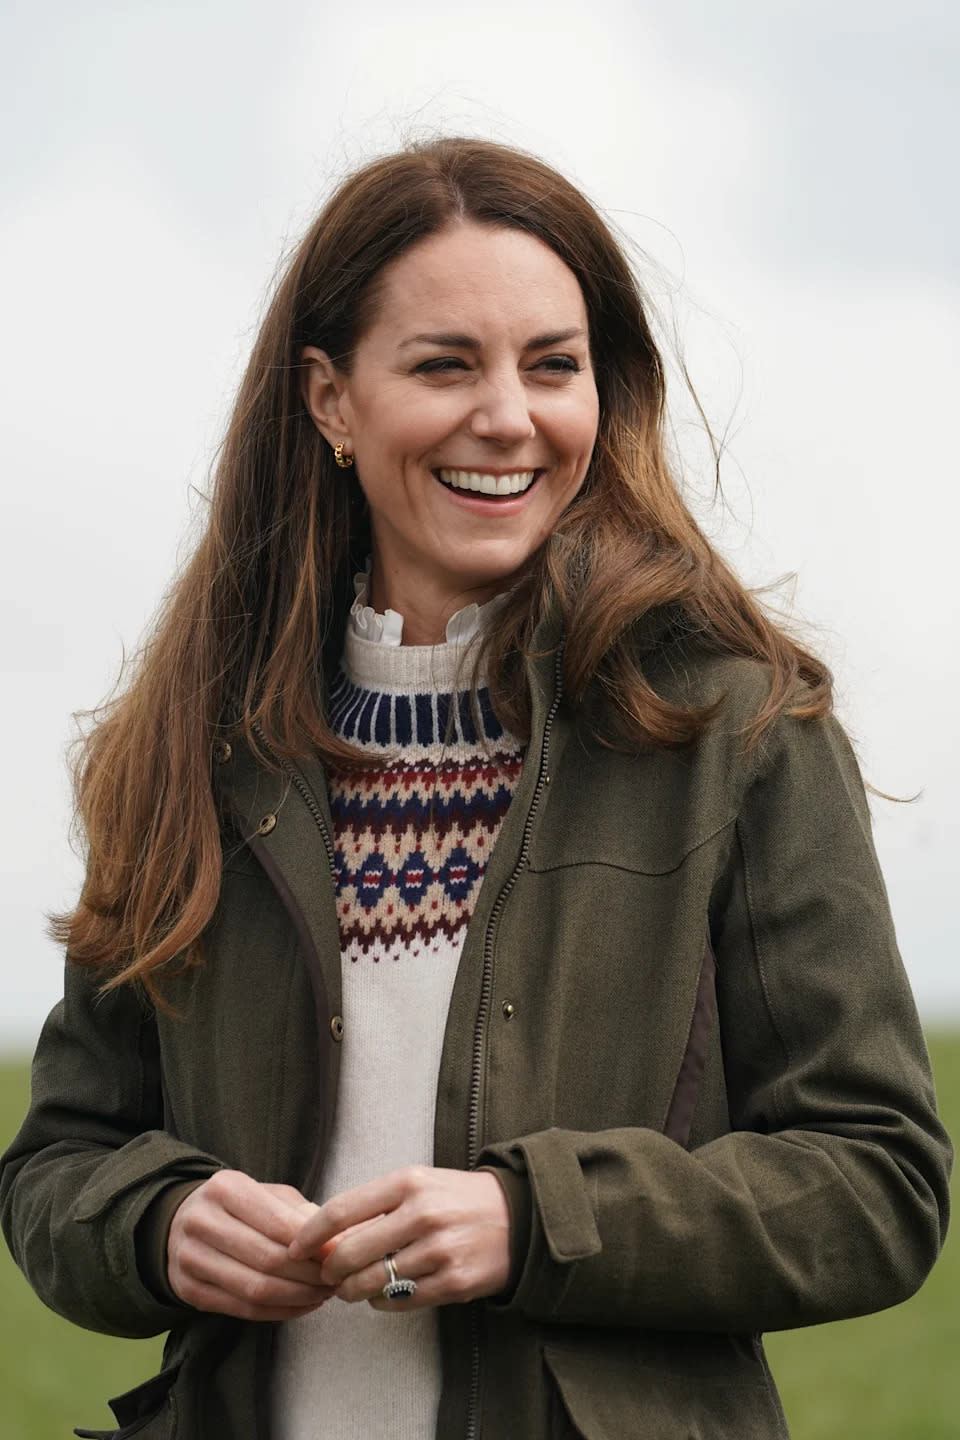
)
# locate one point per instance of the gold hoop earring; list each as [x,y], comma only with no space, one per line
[344,461]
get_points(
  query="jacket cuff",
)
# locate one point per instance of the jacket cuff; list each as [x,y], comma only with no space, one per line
[150,1239]
[516,1188]
[561,1228]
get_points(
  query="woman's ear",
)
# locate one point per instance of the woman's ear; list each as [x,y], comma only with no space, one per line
[322,387]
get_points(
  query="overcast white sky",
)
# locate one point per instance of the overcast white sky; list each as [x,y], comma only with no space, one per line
[789,169]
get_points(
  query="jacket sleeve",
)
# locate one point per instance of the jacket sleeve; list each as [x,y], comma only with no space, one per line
[90,1160]
[829,1198]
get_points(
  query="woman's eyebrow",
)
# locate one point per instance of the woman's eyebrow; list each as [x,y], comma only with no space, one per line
[469,342]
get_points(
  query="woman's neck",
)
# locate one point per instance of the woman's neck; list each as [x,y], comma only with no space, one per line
[426,608]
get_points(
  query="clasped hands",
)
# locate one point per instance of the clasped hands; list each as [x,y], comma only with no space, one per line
[263,1252]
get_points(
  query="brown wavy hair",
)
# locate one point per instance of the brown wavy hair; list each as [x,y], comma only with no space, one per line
[249,629]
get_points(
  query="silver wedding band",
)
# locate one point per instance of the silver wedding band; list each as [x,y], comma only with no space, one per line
[396,1288]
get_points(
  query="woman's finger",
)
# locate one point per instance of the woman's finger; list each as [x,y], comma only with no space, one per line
[288,1194]
[365,1245]
[211,1298]
[294,1197]
[222,1232]
[353,1207]
[255,1204]
[368,1283]
[200,1267]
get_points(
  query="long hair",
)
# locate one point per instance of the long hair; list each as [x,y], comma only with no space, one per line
[249,629]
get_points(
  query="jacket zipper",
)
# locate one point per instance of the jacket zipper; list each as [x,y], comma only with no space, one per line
[486,990]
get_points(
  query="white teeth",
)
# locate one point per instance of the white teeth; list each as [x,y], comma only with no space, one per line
[488,484]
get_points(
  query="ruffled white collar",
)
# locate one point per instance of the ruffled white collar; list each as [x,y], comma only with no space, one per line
[387,629]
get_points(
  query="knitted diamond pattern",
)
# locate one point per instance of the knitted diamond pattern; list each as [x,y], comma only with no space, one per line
[412,835]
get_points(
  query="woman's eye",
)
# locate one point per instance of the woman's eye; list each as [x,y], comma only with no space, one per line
[561,364]
[434,367]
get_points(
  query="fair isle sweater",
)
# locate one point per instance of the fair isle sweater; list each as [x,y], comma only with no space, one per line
[412,836]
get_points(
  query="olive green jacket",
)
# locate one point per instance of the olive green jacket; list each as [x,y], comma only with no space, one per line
[680,1033]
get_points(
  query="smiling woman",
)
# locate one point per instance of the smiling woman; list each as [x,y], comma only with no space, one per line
[483,1014]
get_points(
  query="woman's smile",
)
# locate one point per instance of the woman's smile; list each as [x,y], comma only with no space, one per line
[498,495]
[489,484]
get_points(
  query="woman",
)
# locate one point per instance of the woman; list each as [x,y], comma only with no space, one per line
[483,1015]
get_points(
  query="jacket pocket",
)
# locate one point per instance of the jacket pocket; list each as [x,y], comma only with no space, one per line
[717,1390]
[147,1411]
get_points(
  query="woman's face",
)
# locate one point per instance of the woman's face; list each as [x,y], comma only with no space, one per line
[471,411]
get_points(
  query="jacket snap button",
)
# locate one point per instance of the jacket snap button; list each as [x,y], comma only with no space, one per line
[266,824]
[508,1009]
[336,1027]
[222,750]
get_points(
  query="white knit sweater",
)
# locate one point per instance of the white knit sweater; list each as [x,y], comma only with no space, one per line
[411,840]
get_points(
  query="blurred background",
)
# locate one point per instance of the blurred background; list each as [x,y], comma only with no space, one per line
[783,174]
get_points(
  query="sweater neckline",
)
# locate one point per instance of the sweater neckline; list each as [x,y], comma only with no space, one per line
[375,658]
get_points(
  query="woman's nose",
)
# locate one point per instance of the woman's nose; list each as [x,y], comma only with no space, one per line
[502,413]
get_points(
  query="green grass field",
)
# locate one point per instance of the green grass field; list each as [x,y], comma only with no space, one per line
[894,1376]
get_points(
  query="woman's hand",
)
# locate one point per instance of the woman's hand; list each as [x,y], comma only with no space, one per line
[447,1229]
[227,1250]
